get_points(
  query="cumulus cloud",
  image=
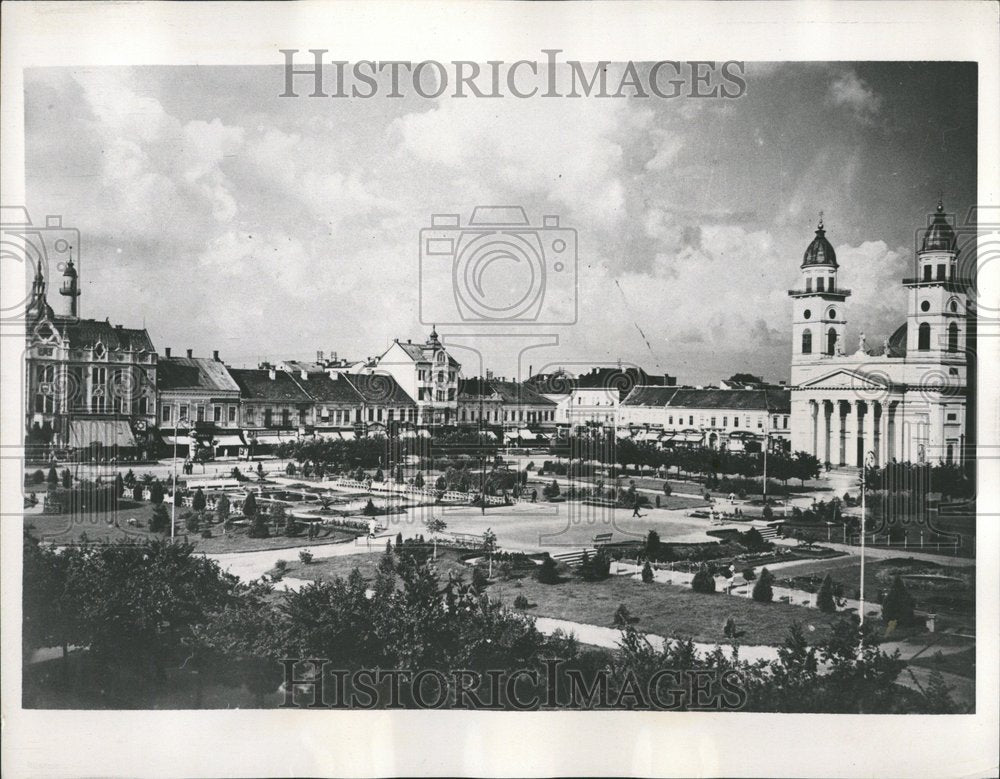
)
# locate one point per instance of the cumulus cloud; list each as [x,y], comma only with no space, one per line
[850,91]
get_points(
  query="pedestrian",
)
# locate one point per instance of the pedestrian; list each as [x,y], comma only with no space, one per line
[635,510]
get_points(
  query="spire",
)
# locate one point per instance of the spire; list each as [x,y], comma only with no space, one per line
[820,252]
[819,227]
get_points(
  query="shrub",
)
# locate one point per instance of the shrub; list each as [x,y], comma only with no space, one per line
[729,628]
[418,481]
[290,469]
[399,541]
[623,616]
[305,556]
[67,481]
[193,522]
[480,581]
[250,506]
[52,478]
[520,602]
[37,477]
[259,528]
[897,606]
[159,522]
[767,513]
[206,533]
[667,489]
[749,574]
[703,580]
[156,493]
[824,598]
[551,490]
[597,568]
[547,571]
[198,501]
[754,541]
[505,569]
[369,510]
[652,545]
[137,492]
[292,528]
[647,573]
[762,590]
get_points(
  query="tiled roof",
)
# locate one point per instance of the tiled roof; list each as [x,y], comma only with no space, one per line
[85,333]
[256,384]
[326,389]
[773,400]
[476,388]
[422,353]
[196,373]
[379,388]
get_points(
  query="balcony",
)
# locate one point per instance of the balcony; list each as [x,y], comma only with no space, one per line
[826,294]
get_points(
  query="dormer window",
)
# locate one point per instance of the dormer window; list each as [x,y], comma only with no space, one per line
[44,331]
[99,350]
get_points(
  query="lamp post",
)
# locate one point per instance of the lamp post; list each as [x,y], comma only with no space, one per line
[182,423]
[868,458]
[767,431]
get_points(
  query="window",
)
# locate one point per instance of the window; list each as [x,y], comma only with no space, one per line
[820,284]
[831,314]
[268,417]
[232,414]
[952,417]
[925,305]
[784,421]
[927,272]
[953,337]
[98,399]
[440,377]
[691,420]
[217,414]
[940,272]
[670,420]
[379,415]
[736,421]
[165,414]
[371,415]
[953,307]
[760,423]
[302,416]
[391,414]
[807,314]
[201,413]
[286,417]
[422,375]
[713,422]
[924,337]
[807,342]
[248,416]
[184,413]
[143,404]
[809,285]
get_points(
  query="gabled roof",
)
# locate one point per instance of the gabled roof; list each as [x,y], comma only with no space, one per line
[476,388]
[256,384]
[649,396]
[848,378]
[194,373]
[421,352]
[85,333]
[379,388]
[324,388]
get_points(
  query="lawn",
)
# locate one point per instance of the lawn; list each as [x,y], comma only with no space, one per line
[960,663]
[332,567]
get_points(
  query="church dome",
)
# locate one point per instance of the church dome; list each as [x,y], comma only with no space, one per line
[820,252]
[940,236]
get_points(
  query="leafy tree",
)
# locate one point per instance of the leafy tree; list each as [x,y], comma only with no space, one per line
[547,573]
[806,466]
[136,492]
[762,590]
[292,527]
[703,580]
[198,501]
[250,506]
[754,541]
[480,580]
[434,526]
[490,546]
[824,598]
[898,605]
[647,573]
[399,541]
[667,489]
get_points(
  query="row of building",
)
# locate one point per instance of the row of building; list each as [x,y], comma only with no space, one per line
[91,383]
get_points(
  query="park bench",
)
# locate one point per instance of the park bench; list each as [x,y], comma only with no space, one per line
[602,538]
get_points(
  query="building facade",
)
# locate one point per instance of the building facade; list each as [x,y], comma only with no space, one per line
[199,405]
[902,401]
[427,373]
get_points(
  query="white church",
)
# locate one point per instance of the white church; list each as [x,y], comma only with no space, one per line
[904,400]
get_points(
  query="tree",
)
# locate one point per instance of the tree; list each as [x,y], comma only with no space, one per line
[547,573]
[597,568]
[222,508]
[192,521]
[53,478]
[441,484]
[490,546]
[418,481]
[623,616]
[198,501]
[647,573]
[156,493]
[551,490]
[67,480]
[753,540]
[136,492]
[398,476]
[762,590]
[379,476]
[652,545]
[305,556]
[119,485]
[160,519]
[434,526]
[667,489]
[703,580]
[250,506]
[897,606]
[806,466]
[292,528]
[399,541]
[259,527]
[824,598]
[767,513]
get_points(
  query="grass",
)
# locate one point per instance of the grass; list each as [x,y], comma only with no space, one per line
[959,663]
[334,567]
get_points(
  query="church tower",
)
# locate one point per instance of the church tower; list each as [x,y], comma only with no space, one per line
[819,316]
[937,297]
[69,292]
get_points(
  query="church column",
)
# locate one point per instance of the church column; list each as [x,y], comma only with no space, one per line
[899,434]
[814,422]
[883,433]
[854,439]
[827,430]
[870,422]
[841,412]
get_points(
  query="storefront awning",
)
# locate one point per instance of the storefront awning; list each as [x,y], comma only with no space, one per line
[424,433]
[229,440]
[408,434]
[181,440]
[347,435]
[106,432]
[689,436]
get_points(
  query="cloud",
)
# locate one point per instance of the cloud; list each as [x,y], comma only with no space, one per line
[850,91]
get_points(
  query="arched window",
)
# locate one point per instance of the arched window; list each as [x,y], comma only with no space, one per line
[807,342]
[953,337]
[831,341]
[924,337]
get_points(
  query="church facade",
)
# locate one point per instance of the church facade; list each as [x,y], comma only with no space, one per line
[905,400]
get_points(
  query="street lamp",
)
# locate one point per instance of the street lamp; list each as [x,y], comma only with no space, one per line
[869,459]
[182,423]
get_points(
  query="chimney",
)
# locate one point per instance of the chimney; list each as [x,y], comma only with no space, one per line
[166,352]
[304,375]
[215,355]
[333,356]
[319,356]
[531,372]
[190,353]
[271,373]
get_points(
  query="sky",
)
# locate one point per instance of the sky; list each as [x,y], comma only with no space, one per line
[223,217]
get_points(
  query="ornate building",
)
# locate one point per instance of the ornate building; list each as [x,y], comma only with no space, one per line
[89,384]
[903,401]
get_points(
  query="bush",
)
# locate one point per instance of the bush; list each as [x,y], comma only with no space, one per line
[369,510]
[667,489]
[551,490]
[520,602]
[259,528]
[623,616]
[37,477]
[703,580]
[192,522]
[480,581]
[53,477]
[505,570]
[647,573]
[547,571]
[418,481]
[156,493]
[897,606]
[767,513]
[597,568]
[206,533]
[198,501]
[159,522]
[305,556]
[762,590]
